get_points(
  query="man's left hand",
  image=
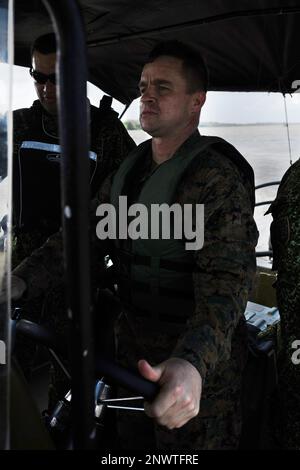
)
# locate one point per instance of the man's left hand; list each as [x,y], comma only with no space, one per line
[179,397]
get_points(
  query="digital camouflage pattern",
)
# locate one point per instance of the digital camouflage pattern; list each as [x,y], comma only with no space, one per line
[218,425]
[285,236]
[214,339]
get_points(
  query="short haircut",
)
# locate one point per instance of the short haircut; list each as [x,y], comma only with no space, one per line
[194,67]
[45,44]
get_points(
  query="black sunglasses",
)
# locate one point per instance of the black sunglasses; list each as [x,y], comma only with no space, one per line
[41,78]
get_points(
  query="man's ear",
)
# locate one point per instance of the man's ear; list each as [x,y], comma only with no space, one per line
[198,101]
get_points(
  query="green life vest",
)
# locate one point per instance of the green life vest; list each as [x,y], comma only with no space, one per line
[156,275]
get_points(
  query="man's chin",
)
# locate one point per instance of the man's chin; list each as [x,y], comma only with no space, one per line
[149,131]
[147,127]
[50,108]
[153,131]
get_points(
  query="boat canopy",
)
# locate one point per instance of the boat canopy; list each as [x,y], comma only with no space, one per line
[248,46]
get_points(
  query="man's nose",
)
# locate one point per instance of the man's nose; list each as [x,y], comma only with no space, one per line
[148,94]
[49,86]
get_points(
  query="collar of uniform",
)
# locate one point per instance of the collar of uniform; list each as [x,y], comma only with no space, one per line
[49,121]
[36,105]
[189,143]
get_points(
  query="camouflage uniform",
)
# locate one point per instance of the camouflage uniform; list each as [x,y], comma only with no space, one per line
[111,142]
[214,338]
[285,236]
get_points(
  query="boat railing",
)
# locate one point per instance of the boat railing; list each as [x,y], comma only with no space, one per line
[261,254]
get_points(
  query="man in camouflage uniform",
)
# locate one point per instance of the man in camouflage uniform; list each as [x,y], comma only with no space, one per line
[285,236]
[196,337]
[36,208]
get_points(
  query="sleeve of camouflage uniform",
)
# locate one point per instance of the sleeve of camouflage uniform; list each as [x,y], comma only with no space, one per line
[285,236]
[44,267]
[225,265]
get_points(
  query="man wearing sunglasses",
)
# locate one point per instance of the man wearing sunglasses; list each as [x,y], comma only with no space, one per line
[45,83]
[37,153]
[36,166]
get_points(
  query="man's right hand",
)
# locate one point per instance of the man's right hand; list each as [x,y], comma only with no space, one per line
[18,287]
[178,400]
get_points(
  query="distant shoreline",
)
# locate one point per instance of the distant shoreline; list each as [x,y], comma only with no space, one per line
[135,125]
[232,124]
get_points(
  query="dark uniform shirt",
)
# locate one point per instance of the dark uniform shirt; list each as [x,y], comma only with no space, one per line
[109,141]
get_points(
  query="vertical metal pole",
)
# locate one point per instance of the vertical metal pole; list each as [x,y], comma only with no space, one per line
[6,60]
[73,123]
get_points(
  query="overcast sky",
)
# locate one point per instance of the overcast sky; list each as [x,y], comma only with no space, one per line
[219,107]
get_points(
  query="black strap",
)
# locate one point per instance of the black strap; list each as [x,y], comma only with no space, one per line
[128,258]
[161,318]
[145,287]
